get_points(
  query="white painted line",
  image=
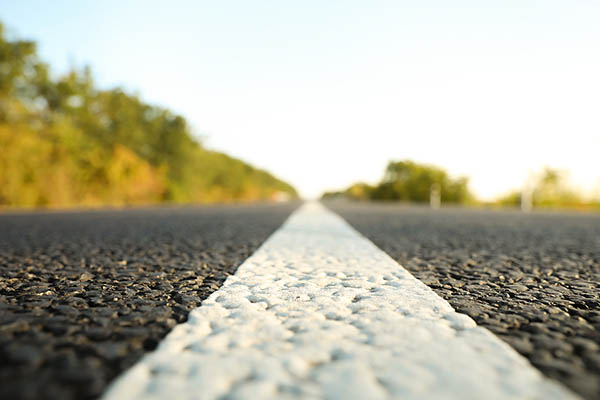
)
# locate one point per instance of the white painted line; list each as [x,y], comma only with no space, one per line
[320,312]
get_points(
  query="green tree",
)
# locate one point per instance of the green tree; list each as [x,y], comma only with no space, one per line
[409,181]
[550,189]
[66,143]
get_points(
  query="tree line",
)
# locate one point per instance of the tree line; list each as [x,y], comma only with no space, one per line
[64,142]
[548,189]
[407,181]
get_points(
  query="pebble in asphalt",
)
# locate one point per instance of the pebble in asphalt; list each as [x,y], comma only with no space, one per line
[83,295]
[532,279]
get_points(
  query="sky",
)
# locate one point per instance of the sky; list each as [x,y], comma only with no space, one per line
[326,93]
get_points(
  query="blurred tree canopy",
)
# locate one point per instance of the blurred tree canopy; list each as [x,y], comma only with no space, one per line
[66,143]
[408,181]
[549,189]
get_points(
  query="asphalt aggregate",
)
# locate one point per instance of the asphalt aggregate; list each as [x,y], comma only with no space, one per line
[83,295]
[532,279]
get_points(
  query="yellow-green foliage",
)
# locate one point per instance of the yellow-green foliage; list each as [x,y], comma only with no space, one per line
[550,190]
[53,169]
[65,143]
[408,181]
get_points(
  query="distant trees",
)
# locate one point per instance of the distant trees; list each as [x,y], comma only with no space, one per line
[64,142]
[408,181]
[548,189]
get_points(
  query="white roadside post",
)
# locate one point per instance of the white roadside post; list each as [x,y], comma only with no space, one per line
[527,194]
[435,196]
[526,199]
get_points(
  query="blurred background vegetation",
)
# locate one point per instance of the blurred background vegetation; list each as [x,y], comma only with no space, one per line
[549,188]
[407,181]
[65,143]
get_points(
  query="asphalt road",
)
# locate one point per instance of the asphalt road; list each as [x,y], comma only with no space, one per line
[83,295]
[532,279]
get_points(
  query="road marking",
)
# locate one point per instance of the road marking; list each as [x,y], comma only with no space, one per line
[320,312]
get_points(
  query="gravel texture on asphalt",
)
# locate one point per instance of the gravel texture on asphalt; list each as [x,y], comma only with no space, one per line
[83,295]
[319,312]
[532,279]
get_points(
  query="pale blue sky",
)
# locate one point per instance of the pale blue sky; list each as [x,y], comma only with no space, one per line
[324,93]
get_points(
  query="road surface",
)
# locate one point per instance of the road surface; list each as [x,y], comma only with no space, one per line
[532,279]
[84,295]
